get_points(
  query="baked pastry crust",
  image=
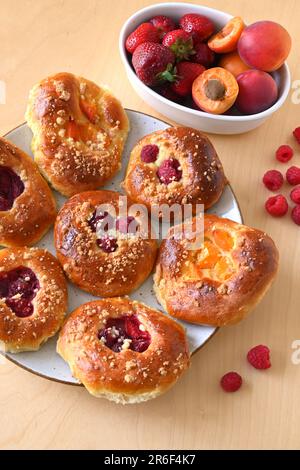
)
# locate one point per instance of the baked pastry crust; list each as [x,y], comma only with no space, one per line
[34,210]
[79,132]
[49,305]
[220,282]
[127,376]
[86,264]
[202,180]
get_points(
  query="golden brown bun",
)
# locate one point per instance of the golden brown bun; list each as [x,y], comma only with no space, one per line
[219,283]
[104,274]
[49,305]
[126,376]
[79,131]
[202,180]
[33,210]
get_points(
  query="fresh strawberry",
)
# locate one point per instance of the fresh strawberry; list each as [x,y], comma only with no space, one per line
[199,26]
[186,73]
[163,24]
[180,42]
[153,63]
[166,91]
[203,55]
[146,32]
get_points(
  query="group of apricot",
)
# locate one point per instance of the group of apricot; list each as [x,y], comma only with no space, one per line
[246,58]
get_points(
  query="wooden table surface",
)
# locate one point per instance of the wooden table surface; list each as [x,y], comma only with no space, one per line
[81,36]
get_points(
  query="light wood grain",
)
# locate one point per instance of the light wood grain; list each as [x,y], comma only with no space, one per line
[40,38]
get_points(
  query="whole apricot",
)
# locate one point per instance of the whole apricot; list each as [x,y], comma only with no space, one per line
[233,63]
[264,45]
[258,91]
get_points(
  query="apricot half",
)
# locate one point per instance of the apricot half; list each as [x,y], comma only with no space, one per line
[215,90]
[226,40]
[233,63]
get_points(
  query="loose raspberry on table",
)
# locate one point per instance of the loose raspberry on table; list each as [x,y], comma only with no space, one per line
[273,180]
[296,215]
[296,134]
[284,153]
[231,382]
[295,195]
[259,357]
[277,206]
[293,175]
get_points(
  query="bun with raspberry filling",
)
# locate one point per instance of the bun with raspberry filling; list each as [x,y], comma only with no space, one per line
[102,251]
[27,206]
[178,165]
[79,132]
[123,350]
[33,298]
[219,280]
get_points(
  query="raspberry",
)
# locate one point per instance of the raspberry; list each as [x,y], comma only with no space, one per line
[231,382]
[149,153]
[127,327]
[107,244]
[169,171]
[277,206]
[297,134]
[284,153]
[295,195]
[296,215]
[259,357]
[293,175]
[273,180]
[127,225]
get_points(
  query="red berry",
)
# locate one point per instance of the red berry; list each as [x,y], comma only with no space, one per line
[259,357]
[296,215]
[203,55]
[284,153]
[169,171]
[146,32]
[149,153]
[180,42]
[293,175]
[277,206]
[127,225]
[296,134]
[186,73]
[273,180]
[163,24]
[107,244]
[200,26]
[231,382]
[166,91]
[295,195]
[153,63]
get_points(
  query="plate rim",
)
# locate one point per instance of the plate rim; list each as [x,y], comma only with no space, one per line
[74,384]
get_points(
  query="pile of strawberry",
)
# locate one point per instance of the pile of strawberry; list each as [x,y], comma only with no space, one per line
[169,57]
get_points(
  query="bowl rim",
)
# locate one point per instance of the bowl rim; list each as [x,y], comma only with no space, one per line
[286,85]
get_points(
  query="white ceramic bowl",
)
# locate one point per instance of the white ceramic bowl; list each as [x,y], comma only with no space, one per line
[217,124]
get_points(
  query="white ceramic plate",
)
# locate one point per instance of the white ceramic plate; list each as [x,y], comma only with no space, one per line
[46,362]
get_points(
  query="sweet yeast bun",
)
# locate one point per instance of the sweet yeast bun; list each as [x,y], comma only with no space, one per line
[123,350]
[79,132]
[220,281]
